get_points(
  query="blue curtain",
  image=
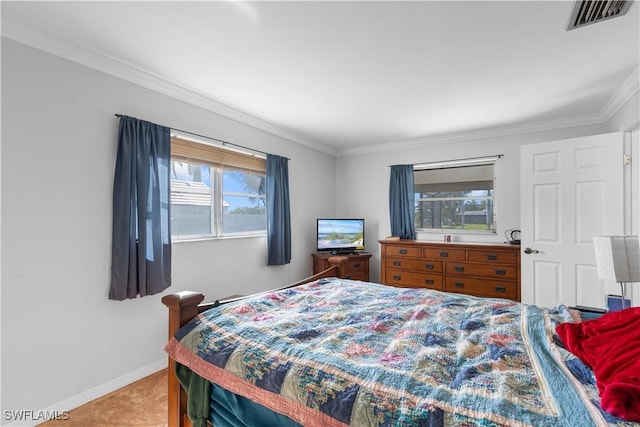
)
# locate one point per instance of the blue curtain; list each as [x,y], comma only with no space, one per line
[278,215]
[141,245]
[402,202]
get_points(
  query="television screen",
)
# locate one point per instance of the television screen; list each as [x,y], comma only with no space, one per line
[340,234]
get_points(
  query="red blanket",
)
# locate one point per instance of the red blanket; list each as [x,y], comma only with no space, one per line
[610,345]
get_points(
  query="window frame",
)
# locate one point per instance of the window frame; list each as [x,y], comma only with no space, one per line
[451,164]
[218,159]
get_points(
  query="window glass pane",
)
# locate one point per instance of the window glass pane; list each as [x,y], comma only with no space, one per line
[467,214]
[455,198]
[190,199]
[244,205]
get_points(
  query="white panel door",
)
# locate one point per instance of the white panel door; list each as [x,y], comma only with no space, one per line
[571,190]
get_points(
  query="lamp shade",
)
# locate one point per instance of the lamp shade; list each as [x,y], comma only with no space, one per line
[618,258]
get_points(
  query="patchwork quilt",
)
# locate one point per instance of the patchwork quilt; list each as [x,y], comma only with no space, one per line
[337,352]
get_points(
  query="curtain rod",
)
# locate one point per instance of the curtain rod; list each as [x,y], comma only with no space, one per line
[454,162]
[208,137]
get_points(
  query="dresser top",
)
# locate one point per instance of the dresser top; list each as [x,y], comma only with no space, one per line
[426,243]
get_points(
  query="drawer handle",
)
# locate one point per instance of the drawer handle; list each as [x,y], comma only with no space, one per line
[396,277]
[429,281]
[356,265]
[492,257]
[459,285]
[444,254]
[501,272]
[428,266]
[500,289]
[397,263]
[458,268]
[403,251]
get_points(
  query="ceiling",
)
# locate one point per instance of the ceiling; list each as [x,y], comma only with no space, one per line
[354,75]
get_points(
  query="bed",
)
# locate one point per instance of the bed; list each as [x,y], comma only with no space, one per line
[335,352]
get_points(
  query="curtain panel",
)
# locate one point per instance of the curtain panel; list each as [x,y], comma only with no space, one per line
[141,244]
[278,215]
[401,202]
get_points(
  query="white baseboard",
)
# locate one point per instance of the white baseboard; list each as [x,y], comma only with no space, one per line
[30,420]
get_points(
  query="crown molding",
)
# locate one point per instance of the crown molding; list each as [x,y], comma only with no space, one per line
[626,91]
[115,67]
[36,39]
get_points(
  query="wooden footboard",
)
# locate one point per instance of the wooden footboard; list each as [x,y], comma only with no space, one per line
[184,306]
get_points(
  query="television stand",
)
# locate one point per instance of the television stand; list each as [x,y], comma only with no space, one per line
[353,265]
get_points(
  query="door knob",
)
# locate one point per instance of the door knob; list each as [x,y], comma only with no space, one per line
[530,251]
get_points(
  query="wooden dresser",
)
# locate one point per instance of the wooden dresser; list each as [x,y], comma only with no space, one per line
[486,270]
[352,266]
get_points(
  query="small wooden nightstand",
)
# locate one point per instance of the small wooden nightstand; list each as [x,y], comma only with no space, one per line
[352,266]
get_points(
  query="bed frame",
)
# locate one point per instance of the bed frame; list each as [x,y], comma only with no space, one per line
[184,306]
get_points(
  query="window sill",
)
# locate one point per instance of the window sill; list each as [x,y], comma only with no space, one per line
[458,236]
[453,232]
[211,238]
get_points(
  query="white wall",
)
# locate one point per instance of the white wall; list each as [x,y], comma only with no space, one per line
[63,341]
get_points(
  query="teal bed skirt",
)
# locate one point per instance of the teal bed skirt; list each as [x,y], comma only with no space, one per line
[230,410]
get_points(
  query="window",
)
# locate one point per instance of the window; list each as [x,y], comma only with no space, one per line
[455,197]
[216,192]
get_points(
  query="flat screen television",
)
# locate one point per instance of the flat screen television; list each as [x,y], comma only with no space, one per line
[340,235]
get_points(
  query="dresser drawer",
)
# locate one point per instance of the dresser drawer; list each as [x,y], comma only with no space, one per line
[492,257]
[402,251]
[356,270]
[481,287]
[357,265]
[413,279]
[483,270]
[445,253]
[424,265]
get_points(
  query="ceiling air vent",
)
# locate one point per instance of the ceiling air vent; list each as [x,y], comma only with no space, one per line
[589,12]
